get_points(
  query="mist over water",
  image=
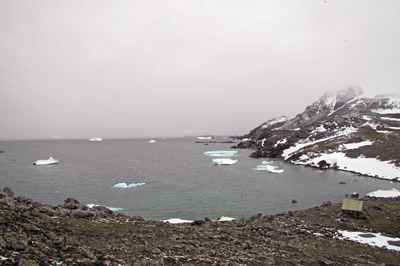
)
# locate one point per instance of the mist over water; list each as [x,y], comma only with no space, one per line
[180,181]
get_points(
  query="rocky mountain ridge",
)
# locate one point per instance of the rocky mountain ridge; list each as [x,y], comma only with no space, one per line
[343,123]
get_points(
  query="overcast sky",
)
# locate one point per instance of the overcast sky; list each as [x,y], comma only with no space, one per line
[122,69]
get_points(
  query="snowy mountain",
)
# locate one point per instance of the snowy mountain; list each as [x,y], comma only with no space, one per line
[343,130]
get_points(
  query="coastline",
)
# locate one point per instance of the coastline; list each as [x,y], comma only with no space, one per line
[73,234]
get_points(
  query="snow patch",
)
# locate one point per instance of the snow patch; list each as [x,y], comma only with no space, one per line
[177,221]
[391,119]
[390,193]
[362,165]
[351,146]
[321,128]
[274,121]
[386,111]
[302,144]
[263,141]
[376,239]
[281,141]
[225,219]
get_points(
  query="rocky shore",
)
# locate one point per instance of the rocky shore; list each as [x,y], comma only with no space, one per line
[73,234]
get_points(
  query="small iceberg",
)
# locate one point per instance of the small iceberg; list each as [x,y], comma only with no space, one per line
[204,137]
[265,162]
[223,161]
[269,169]
[95,139]
[221,154]
[51,160]
[125,185]
[152,141]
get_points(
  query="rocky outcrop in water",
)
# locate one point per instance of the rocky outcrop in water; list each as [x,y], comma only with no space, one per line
[73,234]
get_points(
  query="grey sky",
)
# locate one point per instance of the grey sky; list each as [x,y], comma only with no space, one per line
[80,69]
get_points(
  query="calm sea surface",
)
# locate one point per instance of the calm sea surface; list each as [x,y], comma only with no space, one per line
[180,181]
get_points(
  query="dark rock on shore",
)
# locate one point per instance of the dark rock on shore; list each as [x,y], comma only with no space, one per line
[73,234]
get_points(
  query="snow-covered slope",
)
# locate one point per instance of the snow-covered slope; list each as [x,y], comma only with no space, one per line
[343,130]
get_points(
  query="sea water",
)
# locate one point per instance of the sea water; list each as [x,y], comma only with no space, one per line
[180,182]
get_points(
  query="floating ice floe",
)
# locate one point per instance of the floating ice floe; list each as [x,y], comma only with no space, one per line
[223,161]
[91,205]
[152,141]
[221,154]
[265,162]
[390,193]
[51,160]
[245,139]
[204,137]
[95,139]
[125,185]
[372,239]
[269,168]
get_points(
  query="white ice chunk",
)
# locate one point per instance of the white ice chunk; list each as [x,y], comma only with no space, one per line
[246,139]
[204,137]
[221,153]
[177,221]
[125,185]
[95,139]
[390,193]
[269,168]
[51,160]
[152,141]
[223,161]
[265,162]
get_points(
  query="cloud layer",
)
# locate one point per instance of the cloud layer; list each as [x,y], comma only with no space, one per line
[78,69]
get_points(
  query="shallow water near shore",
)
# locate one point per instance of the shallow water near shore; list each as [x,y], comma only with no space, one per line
[180,181]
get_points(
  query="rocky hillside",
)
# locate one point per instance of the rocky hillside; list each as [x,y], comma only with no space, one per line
[72,234]
[343,130]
